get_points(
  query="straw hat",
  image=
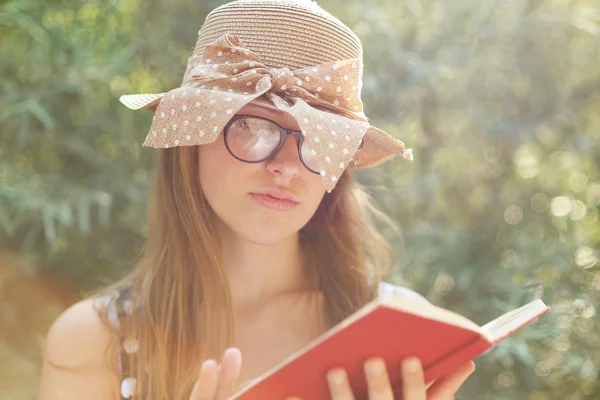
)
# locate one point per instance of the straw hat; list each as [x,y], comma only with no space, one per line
[288,55]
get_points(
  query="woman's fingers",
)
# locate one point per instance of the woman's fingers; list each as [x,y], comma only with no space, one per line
[378,380]
[413,382]
[229,372]
[338,385]
[206,385]
[217,381]
[446,387]
[413,385]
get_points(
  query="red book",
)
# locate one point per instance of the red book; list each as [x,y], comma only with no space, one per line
[392,327]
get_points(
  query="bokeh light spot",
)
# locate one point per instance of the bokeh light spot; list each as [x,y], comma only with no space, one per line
[527,163]
[513,214]
[443,283]
[586,257]
[579,210]
[578,182]
[539,202]
[561,206]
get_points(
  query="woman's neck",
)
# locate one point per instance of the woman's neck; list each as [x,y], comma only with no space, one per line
[258,272]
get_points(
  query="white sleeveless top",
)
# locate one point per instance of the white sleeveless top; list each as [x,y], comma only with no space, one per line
[388,288]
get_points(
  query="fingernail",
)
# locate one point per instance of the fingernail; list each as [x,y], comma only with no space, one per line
[232,350]
[375,367]
[412,365]
[335,377]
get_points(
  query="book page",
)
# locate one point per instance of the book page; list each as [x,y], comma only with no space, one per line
[506,324]
[428,310]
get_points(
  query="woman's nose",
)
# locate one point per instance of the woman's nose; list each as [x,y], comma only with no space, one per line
[287,160]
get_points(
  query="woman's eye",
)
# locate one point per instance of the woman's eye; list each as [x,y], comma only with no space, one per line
[242,123]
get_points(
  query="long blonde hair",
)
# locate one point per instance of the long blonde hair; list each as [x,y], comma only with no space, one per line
[183,312]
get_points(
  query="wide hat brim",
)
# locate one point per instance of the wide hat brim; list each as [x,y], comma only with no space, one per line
[378,147]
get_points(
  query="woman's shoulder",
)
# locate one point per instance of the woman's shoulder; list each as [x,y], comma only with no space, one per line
[388,288]
[78,337]
[77,360]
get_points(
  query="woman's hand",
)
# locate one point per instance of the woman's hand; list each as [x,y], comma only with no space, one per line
[413,387]
[217,382]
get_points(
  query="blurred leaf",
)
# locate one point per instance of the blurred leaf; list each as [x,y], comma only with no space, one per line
[83,214]
[40,114]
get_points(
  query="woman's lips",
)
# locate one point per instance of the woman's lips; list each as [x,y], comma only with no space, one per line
[273,203]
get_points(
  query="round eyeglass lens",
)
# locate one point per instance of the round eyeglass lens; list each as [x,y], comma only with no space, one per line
[252,139]
[309,157]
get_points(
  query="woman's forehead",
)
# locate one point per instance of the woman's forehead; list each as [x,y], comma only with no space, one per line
[282,118]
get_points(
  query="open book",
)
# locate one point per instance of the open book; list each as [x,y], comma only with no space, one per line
[393,327]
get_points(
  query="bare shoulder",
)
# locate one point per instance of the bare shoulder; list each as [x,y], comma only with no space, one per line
[77,337]
[77,356]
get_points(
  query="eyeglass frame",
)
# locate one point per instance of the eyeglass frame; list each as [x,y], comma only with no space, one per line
[284,132]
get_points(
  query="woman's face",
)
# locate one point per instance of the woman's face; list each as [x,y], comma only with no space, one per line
[237,191]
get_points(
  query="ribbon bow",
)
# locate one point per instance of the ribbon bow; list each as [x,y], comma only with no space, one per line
[228,76]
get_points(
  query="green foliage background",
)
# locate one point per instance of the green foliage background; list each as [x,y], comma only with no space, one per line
[499,100]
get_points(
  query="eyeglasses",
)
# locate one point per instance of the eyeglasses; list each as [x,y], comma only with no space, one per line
[255,139]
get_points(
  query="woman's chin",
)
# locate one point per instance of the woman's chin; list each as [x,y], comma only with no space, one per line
[268,236]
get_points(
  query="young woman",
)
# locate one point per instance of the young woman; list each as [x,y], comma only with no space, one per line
[259,240]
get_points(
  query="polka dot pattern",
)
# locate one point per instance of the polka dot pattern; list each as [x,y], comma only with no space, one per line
[128,387]
[324,99]
[330,147]
[118,306]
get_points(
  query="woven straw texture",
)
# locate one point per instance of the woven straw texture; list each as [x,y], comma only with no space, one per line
[284,33]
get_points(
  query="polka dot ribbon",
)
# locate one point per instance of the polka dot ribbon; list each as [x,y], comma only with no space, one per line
[228,76]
